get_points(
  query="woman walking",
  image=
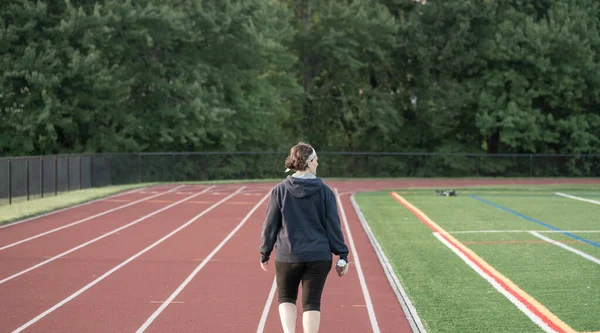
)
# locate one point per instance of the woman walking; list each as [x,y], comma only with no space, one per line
[302,219]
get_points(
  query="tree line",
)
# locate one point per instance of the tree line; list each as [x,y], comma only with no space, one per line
[465,76]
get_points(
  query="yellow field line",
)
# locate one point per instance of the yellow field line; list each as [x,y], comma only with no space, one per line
[534,306]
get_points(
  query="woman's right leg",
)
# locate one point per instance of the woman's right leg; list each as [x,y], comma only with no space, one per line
[288,276]
[313,282]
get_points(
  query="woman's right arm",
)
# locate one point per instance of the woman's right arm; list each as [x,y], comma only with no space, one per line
[334,228]
[270,227]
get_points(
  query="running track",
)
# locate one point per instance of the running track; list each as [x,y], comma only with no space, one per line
[182,259]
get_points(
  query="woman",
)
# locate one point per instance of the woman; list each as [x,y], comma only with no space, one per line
[303,220]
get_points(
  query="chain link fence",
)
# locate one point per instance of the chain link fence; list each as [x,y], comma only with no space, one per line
[26,178]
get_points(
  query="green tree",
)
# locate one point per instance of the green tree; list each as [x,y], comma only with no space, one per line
[350,89]
[122,76]
[502,76]
[539,91]
[30,69]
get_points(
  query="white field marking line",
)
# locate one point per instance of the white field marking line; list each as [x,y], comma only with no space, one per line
[495,284]
[86,219]
[265,313]
[577,198]
[98,238]
[224,190]
[254,191]
[485,231]
[407,306]
[359,271]
[72,207]
[568,248]
[114,269]
[212,187]
[520,231]
[202,264]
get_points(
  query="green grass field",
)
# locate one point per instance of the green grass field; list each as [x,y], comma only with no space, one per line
[495,223]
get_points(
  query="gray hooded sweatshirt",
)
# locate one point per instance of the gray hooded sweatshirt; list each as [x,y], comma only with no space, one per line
[302,219]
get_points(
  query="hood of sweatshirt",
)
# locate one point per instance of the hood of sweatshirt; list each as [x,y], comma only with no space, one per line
[302,187]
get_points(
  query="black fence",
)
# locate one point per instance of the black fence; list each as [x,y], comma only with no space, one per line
[24,178]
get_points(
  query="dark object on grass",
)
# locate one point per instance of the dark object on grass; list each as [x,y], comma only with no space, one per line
[446,193]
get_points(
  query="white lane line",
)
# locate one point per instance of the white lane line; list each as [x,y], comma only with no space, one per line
[98,238]
[577,198]
[86,219]
[409,310]
[114,269]
[11,224]
[202,264]
[265,313]
[496,285]
[568,248]
[361,277]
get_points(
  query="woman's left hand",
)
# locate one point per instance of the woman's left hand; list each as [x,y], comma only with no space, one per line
[265,266]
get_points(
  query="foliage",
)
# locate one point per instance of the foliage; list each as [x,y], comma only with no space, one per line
[505,76]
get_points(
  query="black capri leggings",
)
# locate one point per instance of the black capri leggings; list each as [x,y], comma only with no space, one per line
[312,274]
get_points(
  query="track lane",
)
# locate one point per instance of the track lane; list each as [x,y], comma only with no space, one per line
[35,292]
[18,236]
[228,293]
[19,258]
[20,231]
[69,209]
[121,301]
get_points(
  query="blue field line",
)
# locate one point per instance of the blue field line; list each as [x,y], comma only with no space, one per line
[536,221]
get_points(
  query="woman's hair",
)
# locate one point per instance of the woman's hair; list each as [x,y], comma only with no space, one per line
[297,160]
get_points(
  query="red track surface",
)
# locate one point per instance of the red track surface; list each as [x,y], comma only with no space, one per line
[117,283]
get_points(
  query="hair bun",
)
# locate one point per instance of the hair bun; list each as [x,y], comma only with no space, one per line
[298,157]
